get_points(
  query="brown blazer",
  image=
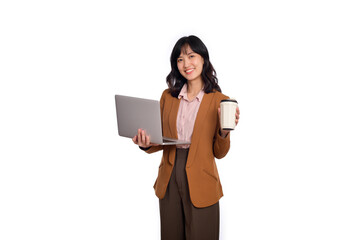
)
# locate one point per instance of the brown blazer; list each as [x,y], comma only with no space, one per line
[206,143]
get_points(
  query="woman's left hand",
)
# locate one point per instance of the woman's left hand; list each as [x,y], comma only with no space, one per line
[224,133]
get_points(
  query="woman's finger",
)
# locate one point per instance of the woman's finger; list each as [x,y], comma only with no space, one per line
[237,116]
[147,140]
[134,139]
[139,137]
[143,136]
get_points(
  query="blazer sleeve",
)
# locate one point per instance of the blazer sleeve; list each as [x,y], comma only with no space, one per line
[153,149]
[221,145]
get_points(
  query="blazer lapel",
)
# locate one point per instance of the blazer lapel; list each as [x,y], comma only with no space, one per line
[173,117]
[198,126]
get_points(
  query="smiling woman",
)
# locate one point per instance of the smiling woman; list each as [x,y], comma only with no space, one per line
[188,183]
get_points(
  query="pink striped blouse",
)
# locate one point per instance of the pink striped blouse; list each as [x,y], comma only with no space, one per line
[187,114]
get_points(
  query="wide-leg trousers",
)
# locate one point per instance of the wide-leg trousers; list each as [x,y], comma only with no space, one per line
[179,218]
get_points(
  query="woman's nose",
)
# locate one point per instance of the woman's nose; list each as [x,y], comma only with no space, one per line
[186,63]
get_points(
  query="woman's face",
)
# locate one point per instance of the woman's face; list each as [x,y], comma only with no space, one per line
[190,64]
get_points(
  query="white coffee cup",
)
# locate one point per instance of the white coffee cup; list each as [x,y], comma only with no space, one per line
[227,114]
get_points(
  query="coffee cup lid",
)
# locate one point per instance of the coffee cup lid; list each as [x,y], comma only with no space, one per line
[229,100]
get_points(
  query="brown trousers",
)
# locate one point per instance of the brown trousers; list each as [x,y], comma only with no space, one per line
[179,219]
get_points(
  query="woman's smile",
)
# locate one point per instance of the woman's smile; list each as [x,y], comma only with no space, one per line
[189,71]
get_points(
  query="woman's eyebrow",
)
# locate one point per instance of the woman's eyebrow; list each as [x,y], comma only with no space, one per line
[186,54]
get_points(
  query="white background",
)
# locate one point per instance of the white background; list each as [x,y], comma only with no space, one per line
[293,168]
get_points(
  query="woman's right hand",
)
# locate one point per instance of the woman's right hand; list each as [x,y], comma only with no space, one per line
[143,140]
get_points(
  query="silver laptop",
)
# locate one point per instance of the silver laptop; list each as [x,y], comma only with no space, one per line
[134,113]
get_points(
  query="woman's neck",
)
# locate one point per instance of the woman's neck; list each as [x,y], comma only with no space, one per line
[194,87]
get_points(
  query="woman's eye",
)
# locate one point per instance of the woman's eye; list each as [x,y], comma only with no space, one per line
[191,56]
[179,60]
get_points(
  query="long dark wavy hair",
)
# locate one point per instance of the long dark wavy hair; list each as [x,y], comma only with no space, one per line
[175,80]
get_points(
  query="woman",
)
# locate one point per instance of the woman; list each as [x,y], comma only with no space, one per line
[188,184]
